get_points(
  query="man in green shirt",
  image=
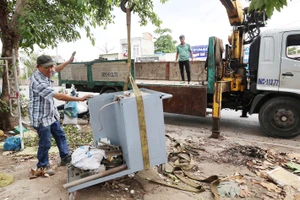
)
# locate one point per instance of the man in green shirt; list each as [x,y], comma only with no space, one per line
[183,52]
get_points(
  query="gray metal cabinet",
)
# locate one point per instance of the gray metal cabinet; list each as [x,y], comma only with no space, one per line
[119,123]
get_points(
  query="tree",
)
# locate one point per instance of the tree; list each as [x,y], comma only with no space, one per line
[267,5]
[29,61]
[24,23]
[292,50]
[164,43]
[106,48]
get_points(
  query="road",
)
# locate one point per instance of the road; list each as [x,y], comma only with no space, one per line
[247,130]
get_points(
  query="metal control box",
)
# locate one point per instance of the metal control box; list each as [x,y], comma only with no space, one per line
[118,121]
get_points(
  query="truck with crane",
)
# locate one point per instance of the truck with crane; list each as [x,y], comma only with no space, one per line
[269,86]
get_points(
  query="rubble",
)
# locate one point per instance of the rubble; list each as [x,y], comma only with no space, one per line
[229,189]
[283,177]
[269,186]
[288,192]
[294,156]
[240,155]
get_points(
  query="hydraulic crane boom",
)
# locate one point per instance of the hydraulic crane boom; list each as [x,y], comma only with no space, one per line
[230,75]
[235,11]
[246,27]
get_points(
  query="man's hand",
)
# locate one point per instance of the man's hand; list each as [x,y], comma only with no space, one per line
[85,97]
[60,67]
[72,57]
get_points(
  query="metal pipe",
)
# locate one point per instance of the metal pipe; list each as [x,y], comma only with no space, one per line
[8,89]
[95,176]
[217,106]
[18,99]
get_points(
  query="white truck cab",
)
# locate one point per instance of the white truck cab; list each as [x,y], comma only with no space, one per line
[279,61]
[274,64]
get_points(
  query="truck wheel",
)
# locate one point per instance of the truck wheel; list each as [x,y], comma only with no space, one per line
[109,91]
[280,117]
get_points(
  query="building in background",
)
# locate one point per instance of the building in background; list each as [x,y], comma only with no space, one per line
[140,46]
[142,50]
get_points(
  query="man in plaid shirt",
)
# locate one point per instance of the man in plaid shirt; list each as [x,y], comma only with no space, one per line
[44,116]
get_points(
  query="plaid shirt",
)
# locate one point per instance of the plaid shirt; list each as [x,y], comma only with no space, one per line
[42,109]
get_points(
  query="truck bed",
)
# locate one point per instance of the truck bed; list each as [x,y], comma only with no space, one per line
[170,83]
[187,99]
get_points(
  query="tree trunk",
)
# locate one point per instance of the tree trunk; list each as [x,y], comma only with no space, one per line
[10,41]
[10,37]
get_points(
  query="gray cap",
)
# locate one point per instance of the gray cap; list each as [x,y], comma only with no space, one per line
[45,61]
[181,37]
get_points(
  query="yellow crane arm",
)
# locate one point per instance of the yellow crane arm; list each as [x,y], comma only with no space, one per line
[235,11]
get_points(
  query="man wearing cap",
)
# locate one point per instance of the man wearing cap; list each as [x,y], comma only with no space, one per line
[183,52]
[44,116]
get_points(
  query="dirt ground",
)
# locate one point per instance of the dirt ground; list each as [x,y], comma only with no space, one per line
[226,157]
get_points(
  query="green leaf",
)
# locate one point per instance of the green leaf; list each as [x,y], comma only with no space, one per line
[269,11]
[59,20]
[267,5]
[294,166]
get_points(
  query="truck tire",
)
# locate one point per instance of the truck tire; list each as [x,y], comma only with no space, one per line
[109,91]
[280,117]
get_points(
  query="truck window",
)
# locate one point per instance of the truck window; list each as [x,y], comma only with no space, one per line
[293,47]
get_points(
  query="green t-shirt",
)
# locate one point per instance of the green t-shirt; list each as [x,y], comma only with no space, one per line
[184,52]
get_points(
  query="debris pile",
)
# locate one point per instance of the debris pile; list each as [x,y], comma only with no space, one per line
[123,187]
[274,169]
[240,155]
[271,160]
[179,173]
[78,137]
